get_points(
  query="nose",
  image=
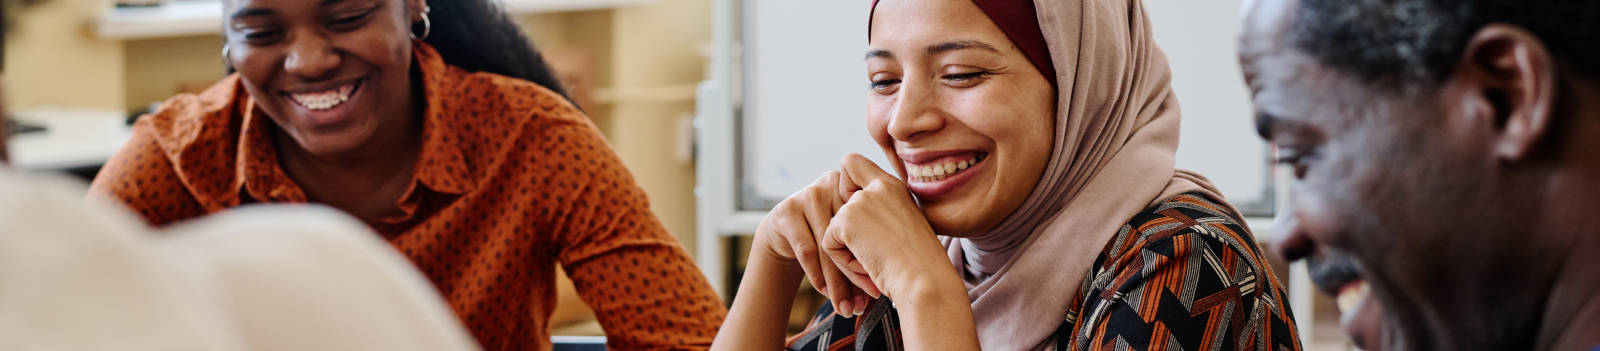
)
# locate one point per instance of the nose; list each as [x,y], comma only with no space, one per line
[311,56]
[916,111]
[1289,239]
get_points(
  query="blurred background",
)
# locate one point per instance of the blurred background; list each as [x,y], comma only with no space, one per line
[720,108]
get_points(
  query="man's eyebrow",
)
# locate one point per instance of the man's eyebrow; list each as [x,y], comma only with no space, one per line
[960,45]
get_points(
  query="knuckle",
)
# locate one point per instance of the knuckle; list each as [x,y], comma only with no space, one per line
[877,185]
[779,219]
[805,247]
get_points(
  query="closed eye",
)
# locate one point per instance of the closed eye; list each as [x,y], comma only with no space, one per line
[262,37]
[1297,159]
[966,76]
[884,86]
[966,79]
[350,22]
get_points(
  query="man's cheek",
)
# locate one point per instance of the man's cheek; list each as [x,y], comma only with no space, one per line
[1322,213]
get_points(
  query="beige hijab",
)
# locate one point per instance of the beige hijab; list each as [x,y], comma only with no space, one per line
[1116,137]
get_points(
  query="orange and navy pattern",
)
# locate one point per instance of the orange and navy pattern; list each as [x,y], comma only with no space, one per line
[511,180]
[1182,275]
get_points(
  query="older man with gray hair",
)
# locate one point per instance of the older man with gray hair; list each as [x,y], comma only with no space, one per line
[1449,147]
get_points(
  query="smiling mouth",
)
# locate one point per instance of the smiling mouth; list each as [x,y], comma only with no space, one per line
[1351,294]
[940,171]
[324,100]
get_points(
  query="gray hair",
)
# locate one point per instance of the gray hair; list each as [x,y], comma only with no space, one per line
[1412,42]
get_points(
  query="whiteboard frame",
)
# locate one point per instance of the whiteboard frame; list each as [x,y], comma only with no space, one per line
[717,167]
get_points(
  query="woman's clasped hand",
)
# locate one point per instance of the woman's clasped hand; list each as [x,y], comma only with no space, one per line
[859,235]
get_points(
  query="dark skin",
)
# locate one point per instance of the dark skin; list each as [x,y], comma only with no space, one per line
[1469,201]
[1365,325]
[358,155]
[1338,275]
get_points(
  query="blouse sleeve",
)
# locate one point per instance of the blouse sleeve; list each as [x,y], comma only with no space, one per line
[1196,282]
[645,288]
[141,178]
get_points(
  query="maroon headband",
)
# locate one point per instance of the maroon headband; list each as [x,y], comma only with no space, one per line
[1020,21]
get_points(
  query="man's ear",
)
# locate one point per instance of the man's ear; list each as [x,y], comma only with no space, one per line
[1511,81]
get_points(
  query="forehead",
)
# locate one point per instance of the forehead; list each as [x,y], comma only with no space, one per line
[1277,73]
[1264,43]
[919,21]
[240,8]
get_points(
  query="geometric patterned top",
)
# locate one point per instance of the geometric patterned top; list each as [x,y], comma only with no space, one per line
[1182,275]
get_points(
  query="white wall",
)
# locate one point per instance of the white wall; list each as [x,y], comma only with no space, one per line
[1219,139]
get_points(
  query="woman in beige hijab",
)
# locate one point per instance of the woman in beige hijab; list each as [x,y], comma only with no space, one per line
[1037,205]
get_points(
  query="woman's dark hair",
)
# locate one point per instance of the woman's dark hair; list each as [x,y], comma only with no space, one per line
[476,35]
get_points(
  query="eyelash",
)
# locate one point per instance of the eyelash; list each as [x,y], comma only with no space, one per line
[347,20]
[256,36]
[264,37]
[1295,159]
[967,76]
[959,77]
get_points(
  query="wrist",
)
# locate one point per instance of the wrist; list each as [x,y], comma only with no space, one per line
[763,255]
[936,313]
[930,284]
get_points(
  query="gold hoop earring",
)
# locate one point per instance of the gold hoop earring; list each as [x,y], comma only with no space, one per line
[427,26]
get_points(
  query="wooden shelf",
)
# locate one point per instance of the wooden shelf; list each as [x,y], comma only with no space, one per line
[196,17]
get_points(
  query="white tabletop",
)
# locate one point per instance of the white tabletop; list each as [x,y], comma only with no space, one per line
[73,138]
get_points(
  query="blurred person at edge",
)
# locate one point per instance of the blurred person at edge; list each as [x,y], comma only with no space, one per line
[1448,147]
[91,276]
[439,126]
[1036,205]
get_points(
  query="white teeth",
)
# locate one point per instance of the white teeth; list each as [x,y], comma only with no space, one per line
[1350,296]
[324,100]
[938,171]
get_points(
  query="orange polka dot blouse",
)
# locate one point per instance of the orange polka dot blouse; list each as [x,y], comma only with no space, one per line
[511,180]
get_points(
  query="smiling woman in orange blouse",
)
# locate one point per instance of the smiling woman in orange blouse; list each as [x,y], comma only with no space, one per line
[439,126]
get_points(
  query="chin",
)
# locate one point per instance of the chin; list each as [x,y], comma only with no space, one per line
[953,220]
[332,143]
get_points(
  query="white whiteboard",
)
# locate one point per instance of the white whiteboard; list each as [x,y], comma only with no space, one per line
[1219,136]
[805,94]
